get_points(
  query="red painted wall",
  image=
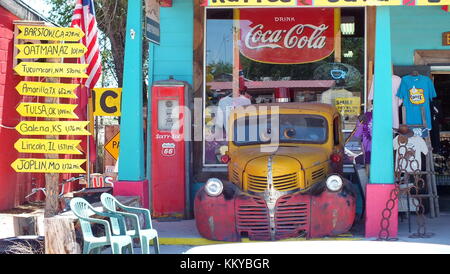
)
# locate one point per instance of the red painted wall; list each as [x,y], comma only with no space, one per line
[13,186]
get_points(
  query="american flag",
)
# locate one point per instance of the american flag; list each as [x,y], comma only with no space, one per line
[84,18]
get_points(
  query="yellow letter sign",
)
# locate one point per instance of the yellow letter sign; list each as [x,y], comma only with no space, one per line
[48,165]
[47,110]
[67,50]
[50,33]
[106,101]
[53,128]
[47,146]
[51,69]
[47,89]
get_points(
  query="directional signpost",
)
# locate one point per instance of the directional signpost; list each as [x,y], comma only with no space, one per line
[47,146]
[53,128]
[48,165]
[47,110]
[67,50]
[51,69]
[47,89]
[52,164]
[51,146]
[50,33]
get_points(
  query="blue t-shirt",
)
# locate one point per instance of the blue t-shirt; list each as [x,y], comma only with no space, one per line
[416,92]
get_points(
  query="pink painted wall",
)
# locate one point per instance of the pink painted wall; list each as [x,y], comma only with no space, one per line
[133,188]
[13,186]
[376,201]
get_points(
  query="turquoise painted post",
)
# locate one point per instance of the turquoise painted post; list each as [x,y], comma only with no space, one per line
[131,154]
[174,55]
[378,192]
[151,71]
[382,161]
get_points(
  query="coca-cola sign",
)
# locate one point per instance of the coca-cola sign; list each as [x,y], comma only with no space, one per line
[287,35]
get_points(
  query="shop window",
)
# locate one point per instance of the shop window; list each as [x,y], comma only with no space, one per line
[269,55]
[336,130]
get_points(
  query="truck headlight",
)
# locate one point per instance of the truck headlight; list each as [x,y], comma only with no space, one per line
[214,187]
[334,183]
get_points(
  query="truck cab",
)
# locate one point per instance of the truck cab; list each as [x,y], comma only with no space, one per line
[284,176]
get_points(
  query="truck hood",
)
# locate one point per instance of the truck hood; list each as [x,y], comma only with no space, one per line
[306,156]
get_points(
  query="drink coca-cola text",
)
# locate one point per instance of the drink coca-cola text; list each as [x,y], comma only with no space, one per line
[287,36]
[295,37]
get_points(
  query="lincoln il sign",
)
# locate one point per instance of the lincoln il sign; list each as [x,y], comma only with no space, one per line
[287,36]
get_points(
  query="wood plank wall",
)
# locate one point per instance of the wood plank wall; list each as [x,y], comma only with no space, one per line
[370,55]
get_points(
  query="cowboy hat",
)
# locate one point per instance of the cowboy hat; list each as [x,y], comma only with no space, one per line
[404,130]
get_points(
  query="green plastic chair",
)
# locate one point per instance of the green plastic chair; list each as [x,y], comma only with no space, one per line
[144,233]
[83,210]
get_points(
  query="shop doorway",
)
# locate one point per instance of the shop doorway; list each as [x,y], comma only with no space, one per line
[439,63]
[441,136]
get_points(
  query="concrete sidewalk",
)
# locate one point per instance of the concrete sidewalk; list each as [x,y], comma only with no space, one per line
[179,236]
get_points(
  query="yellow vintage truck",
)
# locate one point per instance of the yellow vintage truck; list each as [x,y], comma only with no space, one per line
[284,176]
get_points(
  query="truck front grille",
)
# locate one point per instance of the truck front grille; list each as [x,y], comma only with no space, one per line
[318,174]
[281,183]
[253,219]
[235,178]
[291,217]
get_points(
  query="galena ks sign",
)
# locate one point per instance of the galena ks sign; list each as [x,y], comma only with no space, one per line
[287,36]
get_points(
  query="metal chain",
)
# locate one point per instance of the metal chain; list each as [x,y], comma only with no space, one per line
[393,197]
[386,215]
[405,158]
[419,183]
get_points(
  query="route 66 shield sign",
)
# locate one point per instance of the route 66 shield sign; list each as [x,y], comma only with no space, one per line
[168,149]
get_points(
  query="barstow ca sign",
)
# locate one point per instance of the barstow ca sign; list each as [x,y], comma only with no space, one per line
[324,3]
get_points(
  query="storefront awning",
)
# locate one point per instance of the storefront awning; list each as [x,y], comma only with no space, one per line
[275,84]
[322,3]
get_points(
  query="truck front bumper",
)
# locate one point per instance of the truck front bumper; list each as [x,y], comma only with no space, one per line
[315,213]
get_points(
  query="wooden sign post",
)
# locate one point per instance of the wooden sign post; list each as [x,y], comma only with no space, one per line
[51,109]
[57,238]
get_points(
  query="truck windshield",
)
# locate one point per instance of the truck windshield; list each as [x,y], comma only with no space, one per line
[283,128]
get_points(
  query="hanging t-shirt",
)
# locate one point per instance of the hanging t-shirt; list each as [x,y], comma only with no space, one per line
[417,146]
[417,92]
[396,102]
[226,105]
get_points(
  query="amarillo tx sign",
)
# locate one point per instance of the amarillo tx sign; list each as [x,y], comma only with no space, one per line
[287,36]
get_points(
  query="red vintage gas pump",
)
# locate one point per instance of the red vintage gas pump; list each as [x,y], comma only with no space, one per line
[282,95]
[170,140]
